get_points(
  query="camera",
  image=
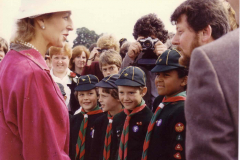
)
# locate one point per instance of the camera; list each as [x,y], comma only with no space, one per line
[148,43]
[148,58]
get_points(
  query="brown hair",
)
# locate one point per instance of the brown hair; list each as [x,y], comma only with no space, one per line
[149,25]
[111,91]
[109,57]
[108,41]
[4,45]
[76,93]
[26,29]
[77,51]
[201,13]
[66,50]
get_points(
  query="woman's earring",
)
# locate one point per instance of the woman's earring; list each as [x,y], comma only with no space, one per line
[43,27]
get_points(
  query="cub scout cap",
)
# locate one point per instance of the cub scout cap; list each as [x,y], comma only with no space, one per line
[108,82]
[131,76]
[167,61]
[86,82]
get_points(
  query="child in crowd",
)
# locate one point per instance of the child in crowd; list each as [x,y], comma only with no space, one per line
[110,62]
[166,131]
[130,125]
[111,105]
[3,48]
[81,125]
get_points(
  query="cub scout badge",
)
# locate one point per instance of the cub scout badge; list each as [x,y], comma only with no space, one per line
[177,155]
[179,138]
[159,122]
[179,127]
[92,133]
[178,147]
[135,128]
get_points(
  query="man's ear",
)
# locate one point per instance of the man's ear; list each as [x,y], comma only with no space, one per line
[184,82]
[206,35]
[144,91]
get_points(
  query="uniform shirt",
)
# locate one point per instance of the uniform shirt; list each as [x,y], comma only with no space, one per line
[74,130]
[100,127]
[168,134]
[34,122]
[137,131]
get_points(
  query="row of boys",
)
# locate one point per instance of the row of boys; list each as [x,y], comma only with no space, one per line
[124,127]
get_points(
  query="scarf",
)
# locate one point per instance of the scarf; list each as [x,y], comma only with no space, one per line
[80,146]
[179,97]
[125,133]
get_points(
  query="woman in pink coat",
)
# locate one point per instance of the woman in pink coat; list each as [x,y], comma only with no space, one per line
[34,122]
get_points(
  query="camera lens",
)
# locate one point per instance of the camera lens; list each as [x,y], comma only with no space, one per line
[148,44]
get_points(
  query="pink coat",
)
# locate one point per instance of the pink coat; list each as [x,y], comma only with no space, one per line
[34,121]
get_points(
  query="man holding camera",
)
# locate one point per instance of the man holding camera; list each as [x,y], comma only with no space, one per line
[150,36]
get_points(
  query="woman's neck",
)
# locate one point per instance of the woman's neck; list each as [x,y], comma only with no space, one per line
[116,110]
[59,75]
[40,44]
[78,70]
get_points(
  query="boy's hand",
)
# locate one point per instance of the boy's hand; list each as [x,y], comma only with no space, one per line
[159,48]
[134,50]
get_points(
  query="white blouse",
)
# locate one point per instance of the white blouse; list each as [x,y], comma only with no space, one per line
[64,81]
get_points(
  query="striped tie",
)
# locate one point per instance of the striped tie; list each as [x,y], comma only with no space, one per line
[107,143]
[80,146]
[125,133]
[153,122]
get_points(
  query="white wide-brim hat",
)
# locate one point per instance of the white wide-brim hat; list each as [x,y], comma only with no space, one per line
[34,8]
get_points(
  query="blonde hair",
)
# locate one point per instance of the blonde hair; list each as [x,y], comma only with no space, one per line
[65,50]
[77,51]
[4,45]
[108,41]
[231,15]
[25,29]
[109,57]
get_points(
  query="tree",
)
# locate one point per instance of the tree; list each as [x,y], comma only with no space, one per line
[85,37]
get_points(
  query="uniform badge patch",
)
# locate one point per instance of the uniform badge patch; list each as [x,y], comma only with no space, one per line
[179,127]
[179,138]
[135,128]
[177,155]
[159,122]
[178,147]
[92,133]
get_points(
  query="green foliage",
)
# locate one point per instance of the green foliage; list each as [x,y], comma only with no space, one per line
[85,37]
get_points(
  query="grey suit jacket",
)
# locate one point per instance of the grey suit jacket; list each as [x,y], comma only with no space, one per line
[212,100]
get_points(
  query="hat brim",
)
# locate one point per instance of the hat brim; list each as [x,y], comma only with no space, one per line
[162,68]
[84,87]
[127,82]
[104,85]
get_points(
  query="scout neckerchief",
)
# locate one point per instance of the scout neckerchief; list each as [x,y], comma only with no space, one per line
[108,138]
[124,137]
[179,97]
[80,146]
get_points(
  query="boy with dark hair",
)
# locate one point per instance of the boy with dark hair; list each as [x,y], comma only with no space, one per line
[148,28]
[81,125]
[130,125]
[109,100]
[198,23]
[165,138]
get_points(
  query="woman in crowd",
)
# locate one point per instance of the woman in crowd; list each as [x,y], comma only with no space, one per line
[34,121]
[79,58]
[60,73]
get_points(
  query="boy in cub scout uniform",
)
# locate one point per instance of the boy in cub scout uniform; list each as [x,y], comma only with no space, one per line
[165,138]
[130,126]
[110,104]
[81,124]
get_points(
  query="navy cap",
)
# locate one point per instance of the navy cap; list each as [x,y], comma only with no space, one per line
[131,76]
[108,82]
[168,60]
[86,82]
[61,89]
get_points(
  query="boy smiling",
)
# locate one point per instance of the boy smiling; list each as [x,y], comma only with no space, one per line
[110,104]
[130,125]
[81,125]
[165,138]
